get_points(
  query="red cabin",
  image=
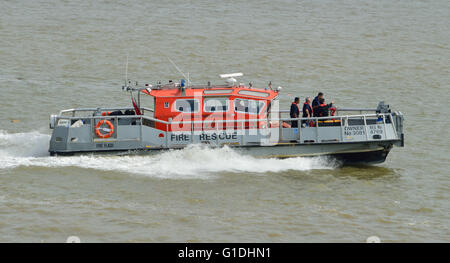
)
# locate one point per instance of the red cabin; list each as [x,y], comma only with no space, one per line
[222,107]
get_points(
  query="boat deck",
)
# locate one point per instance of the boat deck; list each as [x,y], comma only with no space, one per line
[74,130]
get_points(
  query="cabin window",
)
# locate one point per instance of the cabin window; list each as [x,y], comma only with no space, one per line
[254,93]
[217,91]
[186,106]
[248,106]
[215,105]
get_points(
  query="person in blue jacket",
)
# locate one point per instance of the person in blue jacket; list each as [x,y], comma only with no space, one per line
[307,110]
[295,111]
[316,103]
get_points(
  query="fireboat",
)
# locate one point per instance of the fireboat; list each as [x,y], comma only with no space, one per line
[244,118]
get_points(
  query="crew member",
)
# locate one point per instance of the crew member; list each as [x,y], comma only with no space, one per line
[316,103]
[307,110]
[295,112]
[322,110]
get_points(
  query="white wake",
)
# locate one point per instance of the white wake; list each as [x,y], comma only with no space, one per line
[30,149]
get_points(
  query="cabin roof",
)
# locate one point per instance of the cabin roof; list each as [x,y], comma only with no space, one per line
[212,91]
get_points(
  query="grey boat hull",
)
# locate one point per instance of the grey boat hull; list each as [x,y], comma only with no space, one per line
[349,139]
[343,153]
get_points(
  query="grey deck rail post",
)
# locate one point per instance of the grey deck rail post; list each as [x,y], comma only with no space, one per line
[365,127]
[140,130]
[384,126]
[116,122]
[167,134]
[280,127]
[317,131]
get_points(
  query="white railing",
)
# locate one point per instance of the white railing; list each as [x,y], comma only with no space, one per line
[219,124]
[339,117]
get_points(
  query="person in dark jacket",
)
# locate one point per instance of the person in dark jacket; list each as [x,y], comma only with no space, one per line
[307,110]
[323,109]
[295,111]
[316,103]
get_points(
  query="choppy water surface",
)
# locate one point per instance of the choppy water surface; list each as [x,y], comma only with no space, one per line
[64,54]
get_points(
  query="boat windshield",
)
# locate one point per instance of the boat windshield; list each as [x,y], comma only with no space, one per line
[215,105]
[248,106]
[187,105]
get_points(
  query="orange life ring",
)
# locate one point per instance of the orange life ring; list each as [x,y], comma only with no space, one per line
[106,135]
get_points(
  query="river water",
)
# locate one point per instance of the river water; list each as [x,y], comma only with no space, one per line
[63,54]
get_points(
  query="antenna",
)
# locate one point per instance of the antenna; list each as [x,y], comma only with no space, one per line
[126,71]
[173,63]
[126,86]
